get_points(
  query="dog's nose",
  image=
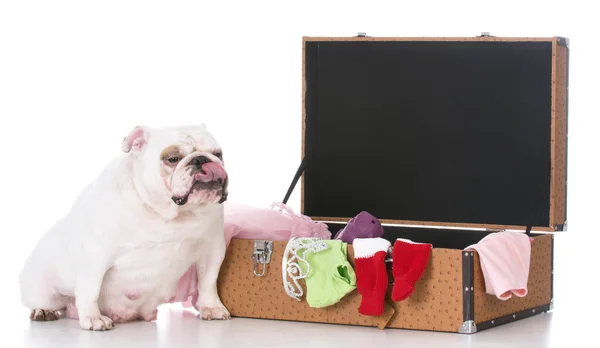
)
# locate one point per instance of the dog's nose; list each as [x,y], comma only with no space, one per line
[199,161]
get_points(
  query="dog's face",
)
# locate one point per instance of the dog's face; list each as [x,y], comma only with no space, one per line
[184,164]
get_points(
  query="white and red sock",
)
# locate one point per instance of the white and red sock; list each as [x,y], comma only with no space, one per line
[410,260]
[371,274]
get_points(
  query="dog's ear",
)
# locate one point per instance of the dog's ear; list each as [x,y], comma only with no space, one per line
[136,139]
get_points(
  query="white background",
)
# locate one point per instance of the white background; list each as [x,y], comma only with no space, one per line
[76,76]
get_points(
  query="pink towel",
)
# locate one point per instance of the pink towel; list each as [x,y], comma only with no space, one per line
[504,259]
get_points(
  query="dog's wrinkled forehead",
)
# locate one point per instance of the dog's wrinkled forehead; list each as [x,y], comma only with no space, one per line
[185,139]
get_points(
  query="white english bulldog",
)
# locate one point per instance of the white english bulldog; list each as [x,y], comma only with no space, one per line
[153,213]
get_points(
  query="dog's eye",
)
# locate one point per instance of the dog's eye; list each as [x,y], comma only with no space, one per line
[173,159]
[218,155]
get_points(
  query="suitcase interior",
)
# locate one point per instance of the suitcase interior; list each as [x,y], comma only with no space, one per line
[448,132]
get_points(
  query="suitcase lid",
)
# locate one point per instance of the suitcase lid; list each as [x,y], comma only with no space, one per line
[455,132]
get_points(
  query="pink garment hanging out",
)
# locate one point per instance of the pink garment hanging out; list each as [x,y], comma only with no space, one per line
[278,222]
[504,259]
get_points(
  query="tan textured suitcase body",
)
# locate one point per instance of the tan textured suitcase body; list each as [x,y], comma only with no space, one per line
[445,140]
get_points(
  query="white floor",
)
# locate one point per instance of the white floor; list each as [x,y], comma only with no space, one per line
[573,320]
[180,328]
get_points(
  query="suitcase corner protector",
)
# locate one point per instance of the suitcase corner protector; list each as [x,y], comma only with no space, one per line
[467,327]
[562,41]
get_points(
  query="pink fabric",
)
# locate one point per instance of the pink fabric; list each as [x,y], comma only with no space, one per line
[187,288]
[278,222]
[504,259]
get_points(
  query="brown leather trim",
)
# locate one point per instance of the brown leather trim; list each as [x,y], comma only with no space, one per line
[558,151]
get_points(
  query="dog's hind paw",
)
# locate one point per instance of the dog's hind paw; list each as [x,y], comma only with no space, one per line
[43,315]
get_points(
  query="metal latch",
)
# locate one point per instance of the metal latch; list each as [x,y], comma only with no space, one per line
[261,256]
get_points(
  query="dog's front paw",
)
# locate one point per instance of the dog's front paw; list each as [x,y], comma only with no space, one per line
[99,323]
[43,315]
[214,313]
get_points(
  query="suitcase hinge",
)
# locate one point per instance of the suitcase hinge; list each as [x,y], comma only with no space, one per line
[562,227]
[261,256]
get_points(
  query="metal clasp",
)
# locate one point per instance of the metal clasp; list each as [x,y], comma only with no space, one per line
[261,255]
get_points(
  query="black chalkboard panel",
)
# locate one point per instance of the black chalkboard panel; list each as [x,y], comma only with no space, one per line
[441,131]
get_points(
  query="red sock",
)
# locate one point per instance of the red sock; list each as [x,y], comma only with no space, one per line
[409,263]
[371,275]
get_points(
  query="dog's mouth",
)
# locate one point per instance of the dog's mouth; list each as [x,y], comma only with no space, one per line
[217,186]
[209,182]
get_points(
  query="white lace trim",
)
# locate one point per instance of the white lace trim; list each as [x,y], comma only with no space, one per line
[367,247]
[411,242]
[298,247]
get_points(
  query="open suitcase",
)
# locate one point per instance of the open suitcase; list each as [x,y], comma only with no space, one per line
[444,140]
